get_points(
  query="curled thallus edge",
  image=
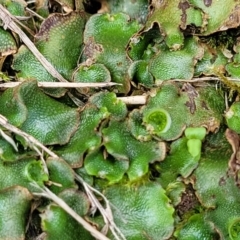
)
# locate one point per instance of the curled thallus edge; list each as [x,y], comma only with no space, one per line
[45,192]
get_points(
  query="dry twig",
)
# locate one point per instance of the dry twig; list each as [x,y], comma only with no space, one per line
[106,212]
[196,79]
[34,14]
[9,22]
[107,215]
[30,139]
[134,100]
[62,84]
[45,192]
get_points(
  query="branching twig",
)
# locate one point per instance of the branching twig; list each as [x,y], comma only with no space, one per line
[106,213]
[9,140]
[45,192]
[30,139]
[34,13]
[9,22]
[32,142]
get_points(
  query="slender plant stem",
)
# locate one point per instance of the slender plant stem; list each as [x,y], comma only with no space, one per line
[9,22]
[35,144]
[30,139]
[98,235]
[62,84]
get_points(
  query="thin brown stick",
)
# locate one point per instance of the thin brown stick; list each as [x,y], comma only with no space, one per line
[50,195]
[9,22]
[35,144]
[62,84]
[30,139]
[134,100]
[197,79]
[201,79]
[32,142]
[106,212]
[8,139]
[34,13]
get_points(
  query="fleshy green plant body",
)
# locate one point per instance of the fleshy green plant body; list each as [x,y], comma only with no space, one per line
[232,117]
[34,172]
[148,160]
[195,137]
[234,229]
[157,120]
[143,202]
[195,133]
[105,37]
[184,109]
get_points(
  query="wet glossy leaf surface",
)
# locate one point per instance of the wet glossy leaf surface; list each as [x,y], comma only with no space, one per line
[57,170]
[41,114]
[7,151]
[184,108]
[58,35]
[107,168]
[54,218]
[123,146]
[145,211]
[219,192]
[16,173]
[90,119]
[176,64]
[15,204]
[106,36]
[162,146]
[7,43]
[196,228]
[135,9]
